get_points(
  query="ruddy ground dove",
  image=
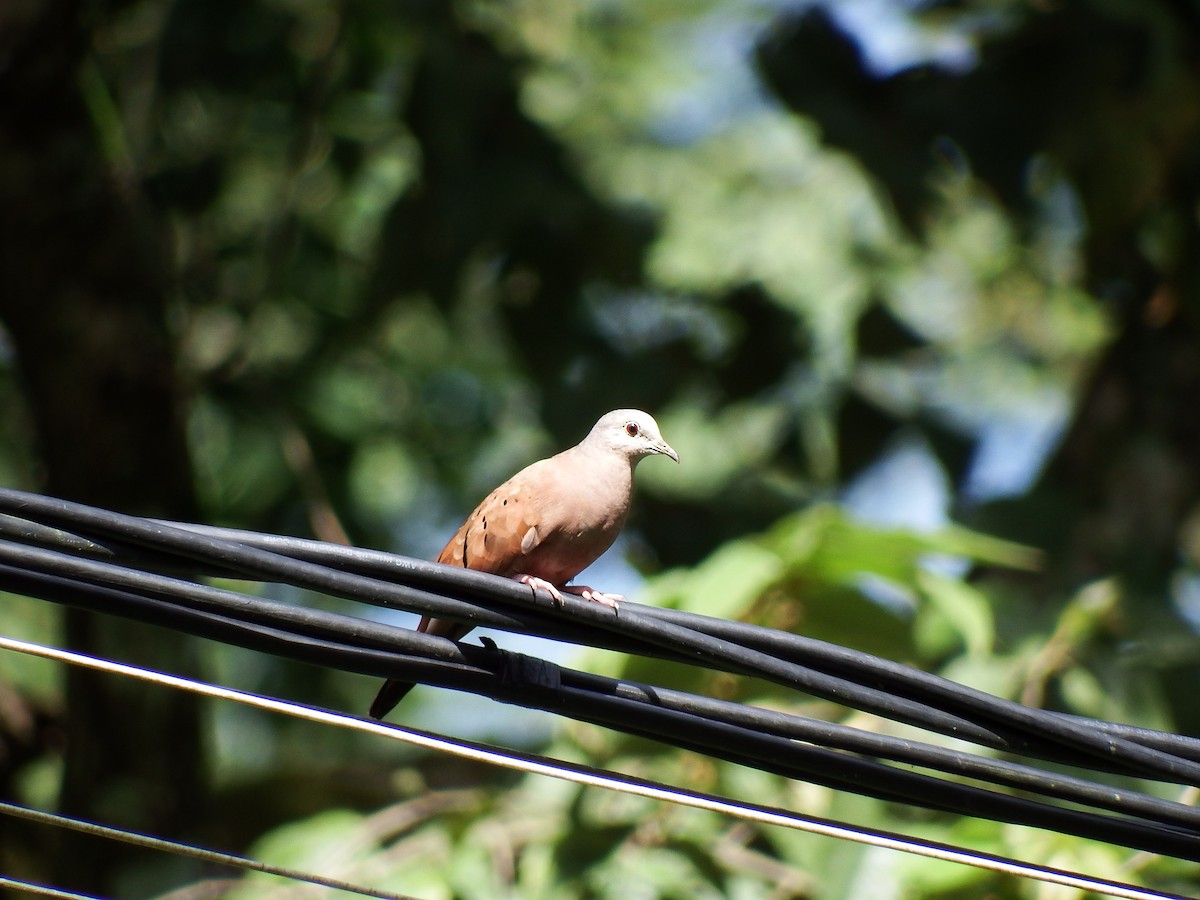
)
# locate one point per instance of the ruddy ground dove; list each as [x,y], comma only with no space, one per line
[550,521]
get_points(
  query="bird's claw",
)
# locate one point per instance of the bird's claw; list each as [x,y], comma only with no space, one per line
[534,582]
[612,601]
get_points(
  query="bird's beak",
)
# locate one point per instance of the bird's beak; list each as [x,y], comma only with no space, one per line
[666,450]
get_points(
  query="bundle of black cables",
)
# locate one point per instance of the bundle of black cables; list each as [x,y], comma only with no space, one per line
[152,571]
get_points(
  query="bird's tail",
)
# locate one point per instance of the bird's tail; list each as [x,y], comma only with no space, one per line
[389,695]
[392,691]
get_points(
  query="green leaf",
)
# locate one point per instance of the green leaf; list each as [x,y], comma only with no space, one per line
[959,541]
[844,616]
[329,844]
[731,580]
[964,607]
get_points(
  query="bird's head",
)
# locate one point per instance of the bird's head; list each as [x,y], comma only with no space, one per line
[630,432]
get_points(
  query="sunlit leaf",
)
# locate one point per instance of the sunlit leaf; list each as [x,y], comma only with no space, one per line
[964,607]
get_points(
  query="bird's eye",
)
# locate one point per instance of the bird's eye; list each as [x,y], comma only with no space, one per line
[631,429]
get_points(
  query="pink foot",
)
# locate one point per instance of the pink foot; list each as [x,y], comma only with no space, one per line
[534,582]
[589,593]
[581,590]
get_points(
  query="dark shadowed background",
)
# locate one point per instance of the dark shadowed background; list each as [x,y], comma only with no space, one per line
[336,269]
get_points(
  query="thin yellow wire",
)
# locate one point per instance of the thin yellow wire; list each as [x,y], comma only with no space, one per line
[540,765]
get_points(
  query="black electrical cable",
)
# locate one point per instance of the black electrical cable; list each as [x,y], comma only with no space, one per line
[736,744]
[251,635]
[370,634]
[300,618]
[821,655]
[690,646]
[830,659]
[926,687]
[96,548]
[317,622]
[846,772]
[1177,744]
[909,682]
[301,648]
[930,756]
[715,652]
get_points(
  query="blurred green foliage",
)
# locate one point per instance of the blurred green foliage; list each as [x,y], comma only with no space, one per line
[409,247]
